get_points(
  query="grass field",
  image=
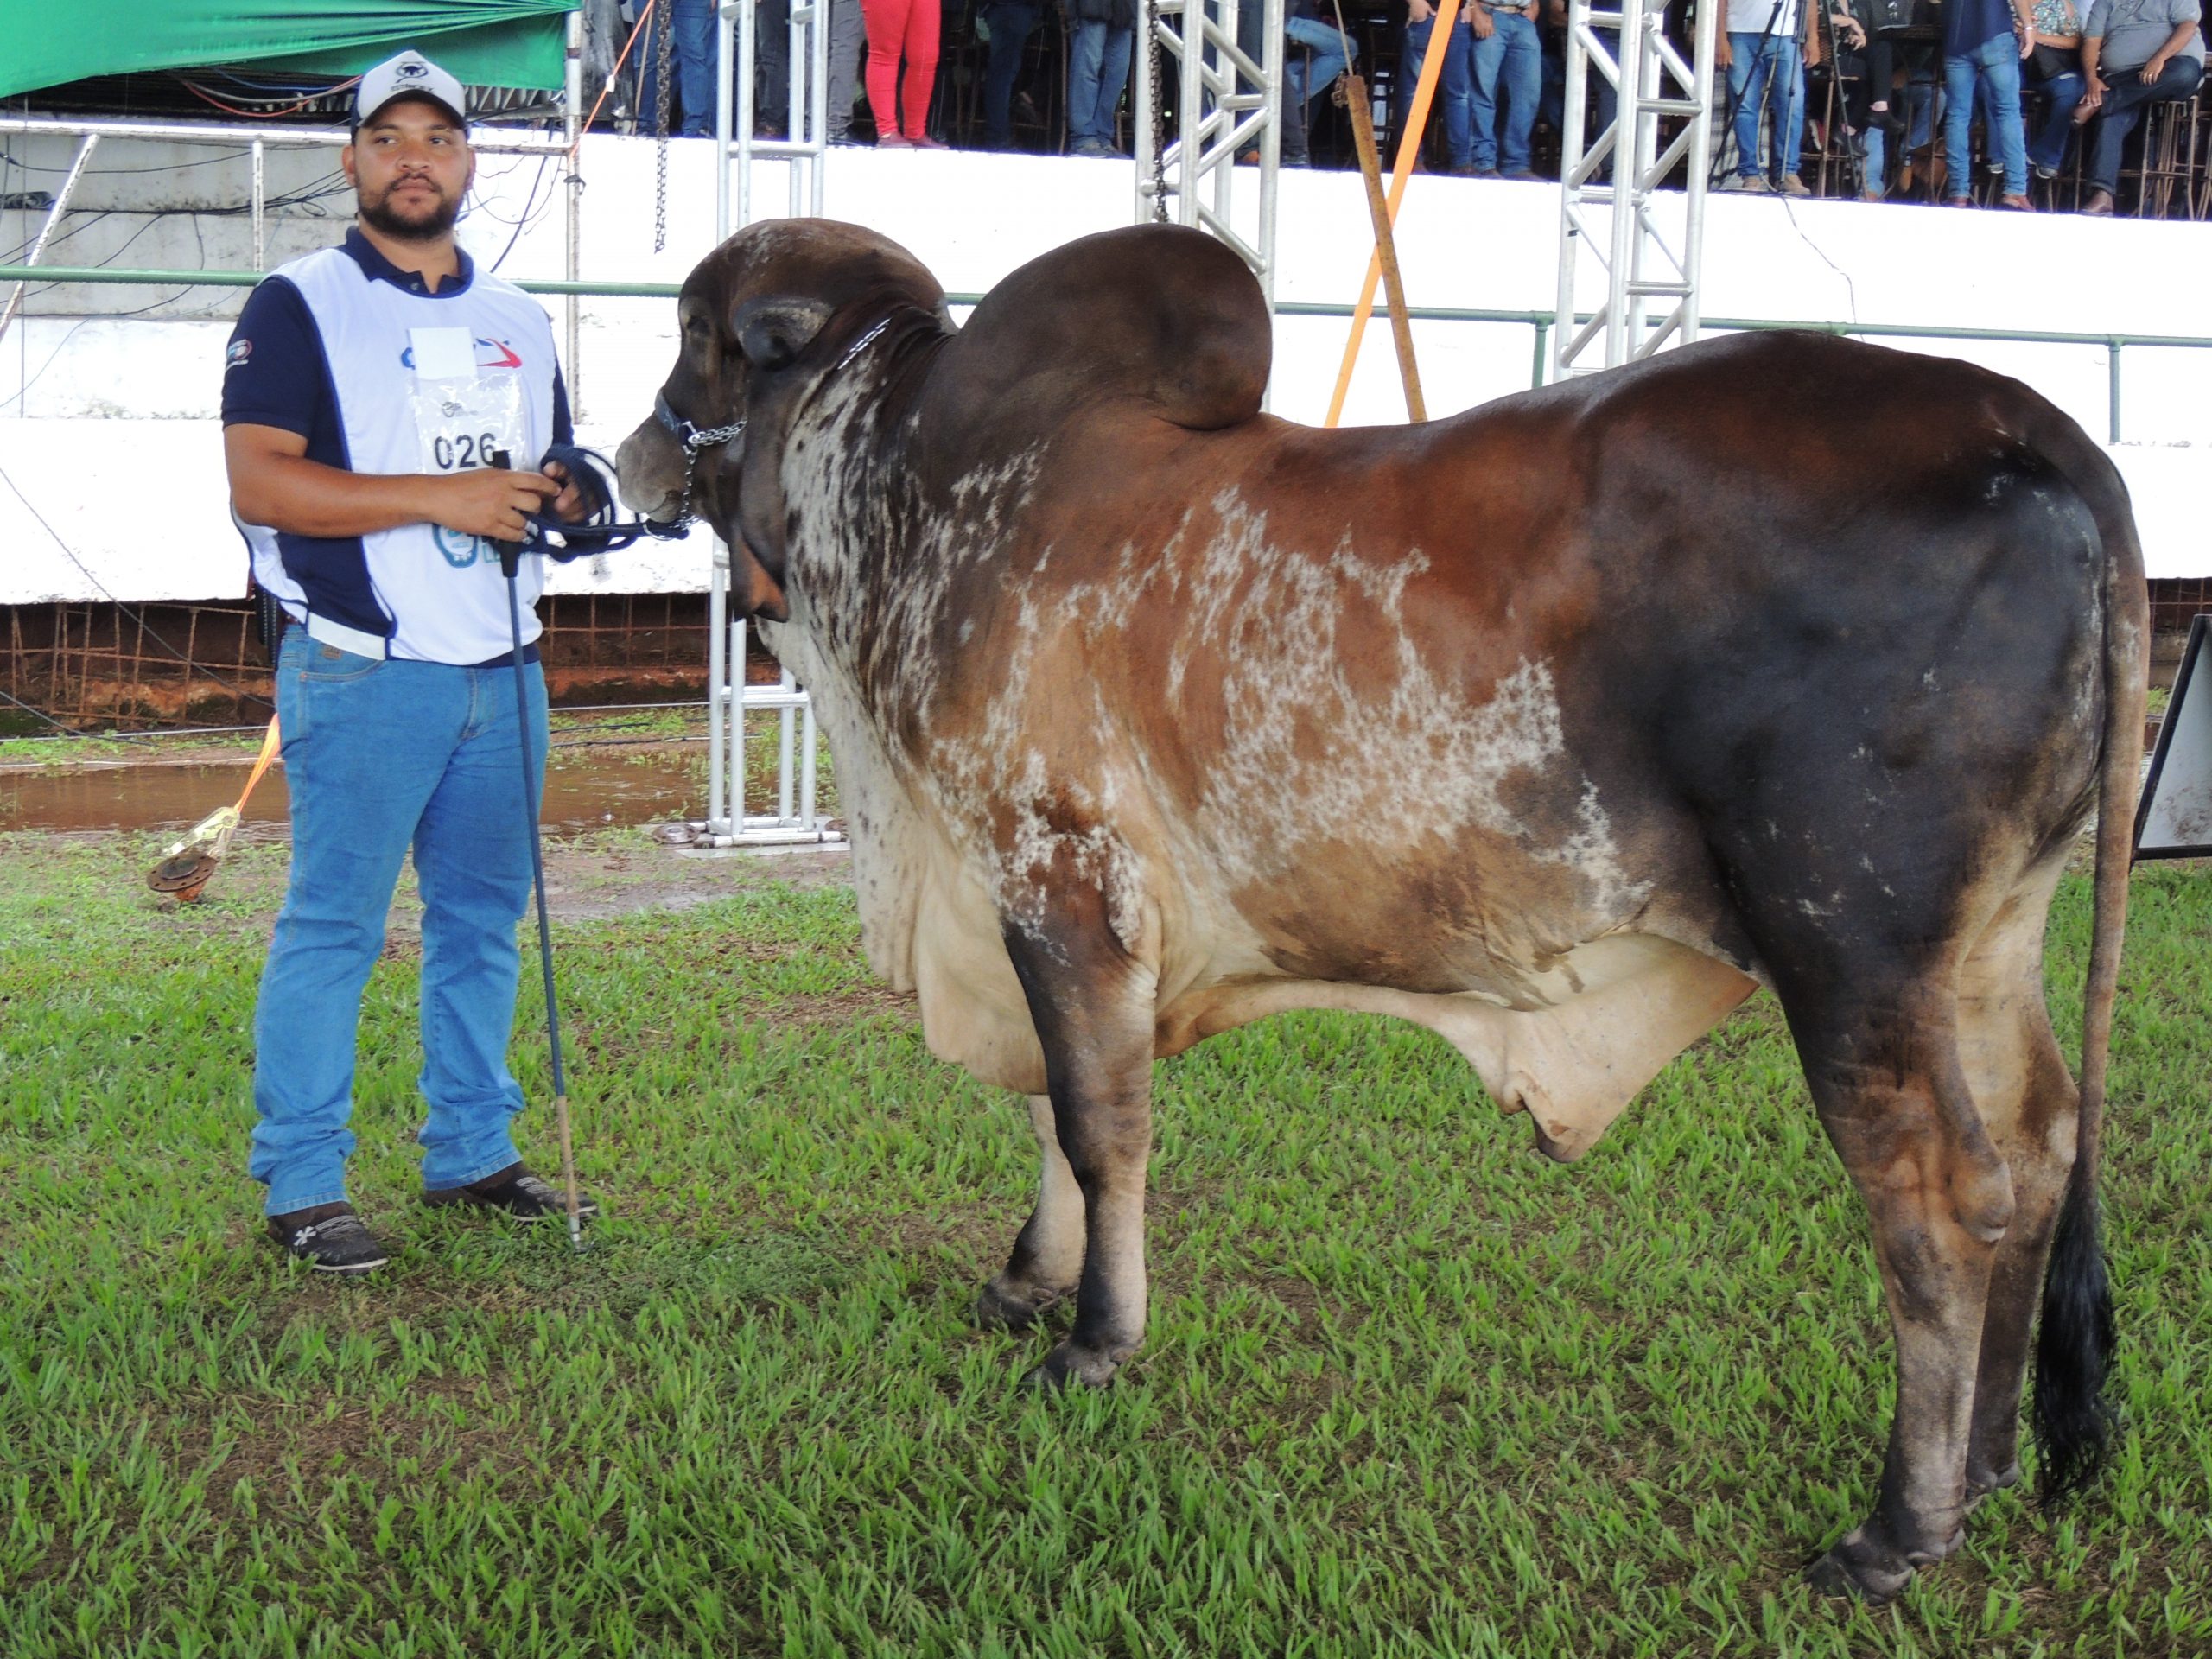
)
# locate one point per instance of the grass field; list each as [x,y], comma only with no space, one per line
[1410,1390]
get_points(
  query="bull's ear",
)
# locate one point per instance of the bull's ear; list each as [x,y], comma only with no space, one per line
[772,332]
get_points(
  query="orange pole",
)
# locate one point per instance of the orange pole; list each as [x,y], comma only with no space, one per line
[1431,69]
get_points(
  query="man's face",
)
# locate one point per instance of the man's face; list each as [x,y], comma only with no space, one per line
[409,166]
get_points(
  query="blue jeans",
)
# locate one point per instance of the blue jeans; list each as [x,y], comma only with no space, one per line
[380,756]
[1098,68]
[1765,72]
[1515,48]
[1995,66]
[2047,149]
[2124,95]
[1315,57]
[1455,86]
[691,74]
[1919,118]
[1011,23]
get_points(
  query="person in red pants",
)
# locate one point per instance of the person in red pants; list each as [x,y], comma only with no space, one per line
[900,28]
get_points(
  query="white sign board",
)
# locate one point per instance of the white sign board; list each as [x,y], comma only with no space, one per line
[2175,820]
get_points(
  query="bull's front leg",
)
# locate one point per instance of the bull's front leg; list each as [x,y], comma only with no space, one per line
[1047,1256]
[1092,1004]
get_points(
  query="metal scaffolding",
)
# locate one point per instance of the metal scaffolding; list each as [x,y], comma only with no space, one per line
[731,703]
[1225,102]
[737,29]
[1609,204]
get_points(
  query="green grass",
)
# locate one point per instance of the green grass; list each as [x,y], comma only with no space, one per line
[1409,1390]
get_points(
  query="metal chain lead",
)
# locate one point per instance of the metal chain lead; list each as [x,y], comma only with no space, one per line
[1159,125]
[666,45]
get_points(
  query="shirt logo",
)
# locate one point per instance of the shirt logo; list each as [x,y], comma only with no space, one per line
[239,351]
[490,354]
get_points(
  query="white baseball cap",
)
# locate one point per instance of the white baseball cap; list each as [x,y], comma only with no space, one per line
[408,75]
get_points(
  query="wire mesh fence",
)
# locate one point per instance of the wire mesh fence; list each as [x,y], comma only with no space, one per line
[143,667]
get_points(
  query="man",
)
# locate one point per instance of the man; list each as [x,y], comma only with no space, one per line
[1764,58]
[1455,84]
[369,390]
[1983,43]
[1009,23]
[1509,48]
[1314,53]
[2133,52]
[1104,36]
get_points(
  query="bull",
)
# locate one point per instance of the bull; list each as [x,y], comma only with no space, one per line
[1674,686]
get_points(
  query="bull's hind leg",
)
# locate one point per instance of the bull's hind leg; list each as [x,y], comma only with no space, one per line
[1893,1096]
[2029,1104]
[1047,1257]
[1092,1004]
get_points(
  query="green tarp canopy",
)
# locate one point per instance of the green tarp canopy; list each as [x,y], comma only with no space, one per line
[484,43]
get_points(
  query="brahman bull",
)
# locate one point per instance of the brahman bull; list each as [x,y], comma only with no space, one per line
[1557,727]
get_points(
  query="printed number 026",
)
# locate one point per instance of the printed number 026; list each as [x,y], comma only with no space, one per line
[456,455]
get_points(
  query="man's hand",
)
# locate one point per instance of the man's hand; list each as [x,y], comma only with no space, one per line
[1419,11]
[2151,71]
[1723,54]
[488,501]
[1478,19]
[2027,39]
[570,506]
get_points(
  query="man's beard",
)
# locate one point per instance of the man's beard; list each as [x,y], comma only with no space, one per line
[380,215]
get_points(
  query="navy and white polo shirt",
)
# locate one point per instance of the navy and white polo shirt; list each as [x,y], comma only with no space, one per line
[325,348]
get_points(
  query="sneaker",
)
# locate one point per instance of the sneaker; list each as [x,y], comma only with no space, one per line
[1482,172]
[1794,185]
[1522,175]
[329,1238]
[2045,174]
[515,1192]
[1746,184]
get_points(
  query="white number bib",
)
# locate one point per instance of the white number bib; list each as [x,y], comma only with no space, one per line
[462,419]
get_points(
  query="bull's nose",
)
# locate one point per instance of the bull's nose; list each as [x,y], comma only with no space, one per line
[643,479]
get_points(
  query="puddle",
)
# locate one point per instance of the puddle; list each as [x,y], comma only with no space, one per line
[624,790]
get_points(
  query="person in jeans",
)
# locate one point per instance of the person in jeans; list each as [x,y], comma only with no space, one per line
[1983,43]
[1098,68]
[1509,51]
[1316,55]
[1010,23]
[2133,52]
[367,392]
[2055,69]
[691,67]
[1764,56]
[1455,86]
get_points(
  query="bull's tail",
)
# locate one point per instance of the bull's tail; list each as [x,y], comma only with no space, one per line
[2073,1420]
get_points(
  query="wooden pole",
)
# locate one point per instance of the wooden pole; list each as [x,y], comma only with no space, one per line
[1353,89]
[1431,69]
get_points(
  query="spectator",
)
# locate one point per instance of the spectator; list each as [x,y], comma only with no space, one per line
[900,101]
[1454,83]
[1983,43]
[2133,52]
[690,44]
[772,65]
[1098,67]
[1009,24]
[2055,69]
[1599,100]
[1881,120]
[846,36]
[1316,53]
[1762,54]
[1507,46]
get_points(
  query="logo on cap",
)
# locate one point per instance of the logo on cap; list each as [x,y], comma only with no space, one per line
[411,72]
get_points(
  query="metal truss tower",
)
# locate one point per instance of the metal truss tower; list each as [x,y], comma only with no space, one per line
[736,28]
[1610,211]
[1224,102]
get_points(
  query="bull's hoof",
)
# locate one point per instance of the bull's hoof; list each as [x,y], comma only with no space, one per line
[1006,1305]
[1069,1366]
[1864,1570]
[1980,1484]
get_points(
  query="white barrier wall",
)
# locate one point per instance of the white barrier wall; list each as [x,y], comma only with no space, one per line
[108,435]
